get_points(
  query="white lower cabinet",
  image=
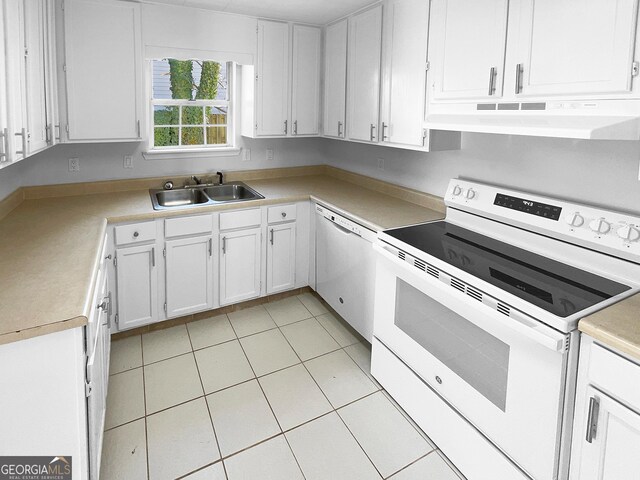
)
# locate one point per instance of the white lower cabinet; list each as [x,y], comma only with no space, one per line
[281,257]
[606,434]
[137,286]
[189,275]
[240,265]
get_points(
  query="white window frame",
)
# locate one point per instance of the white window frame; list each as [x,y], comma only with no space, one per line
[194,151]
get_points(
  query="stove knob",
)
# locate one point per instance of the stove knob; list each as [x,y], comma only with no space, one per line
[575,219]
[457,190]
[470,194]
[628,233]
[600,225]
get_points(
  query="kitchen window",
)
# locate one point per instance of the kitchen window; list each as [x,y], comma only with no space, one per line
[191,106]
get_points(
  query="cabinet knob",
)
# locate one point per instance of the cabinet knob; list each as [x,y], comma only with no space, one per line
[284,214]
[136,234]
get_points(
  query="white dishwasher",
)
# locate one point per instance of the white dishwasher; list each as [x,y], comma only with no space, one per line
[345,268]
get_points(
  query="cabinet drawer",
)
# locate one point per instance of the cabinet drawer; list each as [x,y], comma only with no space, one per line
[281,213]
[240,219]
[615,374]
[135,233]
[196,225]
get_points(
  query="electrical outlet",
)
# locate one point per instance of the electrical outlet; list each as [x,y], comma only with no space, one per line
[269,153]
[246,155]
[74,164]
[381,163]
[128,161]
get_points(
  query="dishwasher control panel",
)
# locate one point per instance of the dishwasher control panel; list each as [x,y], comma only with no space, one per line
[345,223]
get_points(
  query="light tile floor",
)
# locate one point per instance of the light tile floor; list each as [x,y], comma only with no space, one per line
[275,392]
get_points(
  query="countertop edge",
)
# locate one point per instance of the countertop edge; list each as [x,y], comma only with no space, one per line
[27,333]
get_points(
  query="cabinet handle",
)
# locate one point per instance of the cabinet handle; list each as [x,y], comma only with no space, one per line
[492,80]
[271,236]
[23,134]
[339,129]
[210,246]
[57,137]
[4,146]
[139,129]
[371,135]
[47,134]
[224,245]
[153,256]
[286,124]
[592,420]
[295,127]
[519,71]
[384,127]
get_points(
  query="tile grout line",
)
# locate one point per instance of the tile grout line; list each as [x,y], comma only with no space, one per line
[204,396]
[144,393]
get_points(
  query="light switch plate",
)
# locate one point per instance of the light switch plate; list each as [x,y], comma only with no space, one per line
[269,153]
[127,161]
[381,163]
[246,155]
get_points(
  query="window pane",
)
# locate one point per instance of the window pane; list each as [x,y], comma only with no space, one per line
[165,115]
[216,115]
[216,135]
[192,136]
[192,116]
[165,136]
[190,79]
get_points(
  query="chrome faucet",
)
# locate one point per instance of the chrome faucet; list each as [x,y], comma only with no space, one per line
[220,177]
[196,179]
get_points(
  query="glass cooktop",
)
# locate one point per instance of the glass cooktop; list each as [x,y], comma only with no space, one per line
[554,286]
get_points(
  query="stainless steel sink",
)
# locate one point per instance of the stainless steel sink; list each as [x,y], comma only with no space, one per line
[205,195]
[232,192]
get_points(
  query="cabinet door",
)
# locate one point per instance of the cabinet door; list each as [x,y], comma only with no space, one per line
[281,257]
[467,49]
[103,70]
[569,48]
[137,285]
[35,56]
[404,71]
[365,43]
[612,453]
[189,275]
[272,83]
[305,88]
[335,79]
[4,115]
[16,135]
[239,265]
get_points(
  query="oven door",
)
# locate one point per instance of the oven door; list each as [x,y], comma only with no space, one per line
[505,375]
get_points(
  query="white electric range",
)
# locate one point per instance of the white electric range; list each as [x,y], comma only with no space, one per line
[478,313]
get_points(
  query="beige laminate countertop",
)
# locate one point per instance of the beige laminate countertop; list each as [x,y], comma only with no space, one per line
[617,326]
[49,248]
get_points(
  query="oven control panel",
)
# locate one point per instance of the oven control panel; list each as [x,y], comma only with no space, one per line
[608,231]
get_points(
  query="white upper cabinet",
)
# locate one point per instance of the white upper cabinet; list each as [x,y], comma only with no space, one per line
[284,98]
[4,114]
[272,79]
[363,97]
[305,88]
[406,23]
[103,70]
[467,49]
[572,48]
[335,79]
[38,128]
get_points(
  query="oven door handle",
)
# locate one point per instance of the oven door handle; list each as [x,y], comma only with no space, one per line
[556,343]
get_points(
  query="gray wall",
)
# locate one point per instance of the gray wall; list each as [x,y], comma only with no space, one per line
[597,172]
[104,161]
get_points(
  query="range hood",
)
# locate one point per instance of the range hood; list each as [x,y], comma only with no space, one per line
[588,127]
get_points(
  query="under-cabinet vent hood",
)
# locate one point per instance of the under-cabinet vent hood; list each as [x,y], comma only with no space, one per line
[590,127]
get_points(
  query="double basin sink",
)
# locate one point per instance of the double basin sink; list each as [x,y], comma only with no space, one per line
[196,196]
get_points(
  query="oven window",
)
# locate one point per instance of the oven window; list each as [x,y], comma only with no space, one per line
[477,357]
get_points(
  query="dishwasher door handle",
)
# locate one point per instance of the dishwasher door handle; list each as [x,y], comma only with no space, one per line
[339,227]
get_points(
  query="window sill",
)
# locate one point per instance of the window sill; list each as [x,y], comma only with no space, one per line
[188,154]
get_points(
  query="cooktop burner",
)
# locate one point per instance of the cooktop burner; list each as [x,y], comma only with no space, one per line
[551,285]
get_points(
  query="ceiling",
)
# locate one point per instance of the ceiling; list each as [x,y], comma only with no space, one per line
[318,12]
